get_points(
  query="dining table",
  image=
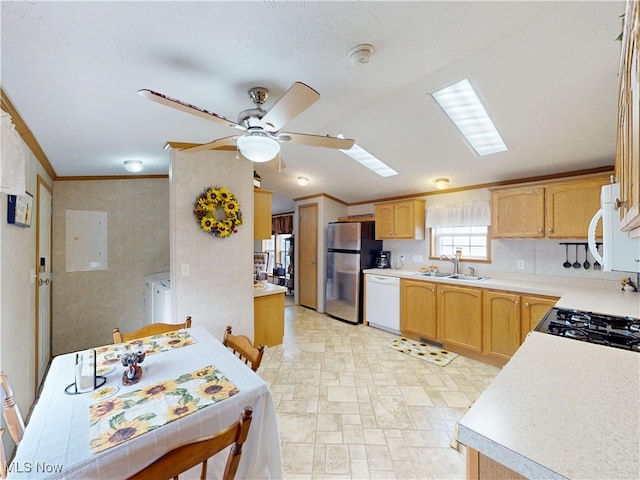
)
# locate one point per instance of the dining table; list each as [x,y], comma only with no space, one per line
[189,386]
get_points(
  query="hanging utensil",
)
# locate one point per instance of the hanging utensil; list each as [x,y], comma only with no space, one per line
[586,265]
[566,263]
[577,264]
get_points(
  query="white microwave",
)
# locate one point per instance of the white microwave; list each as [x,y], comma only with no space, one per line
[620,252]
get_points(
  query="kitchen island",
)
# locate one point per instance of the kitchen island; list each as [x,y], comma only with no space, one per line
[560,408]
[268,314]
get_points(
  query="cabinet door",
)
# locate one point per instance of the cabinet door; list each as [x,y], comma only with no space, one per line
[418,309]
[628,148]
[571,206]
[261,214]
[501,324]
[384,221]
[403,220]
[460,317]
[517,212]
[533,309]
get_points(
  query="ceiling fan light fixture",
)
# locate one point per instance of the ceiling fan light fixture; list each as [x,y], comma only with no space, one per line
[258,147]
[133,166]
[441,183]
[302,181]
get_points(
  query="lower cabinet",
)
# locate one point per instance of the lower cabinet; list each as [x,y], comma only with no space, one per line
[268,319]
[534,308]
[460,317]
[501,321]
[418,309]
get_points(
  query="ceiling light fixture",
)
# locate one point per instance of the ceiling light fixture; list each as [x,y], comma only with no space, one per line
[363,157]
[258,147]
[461,104]
[360,54]
[441,183]
[133,166]
[302,181]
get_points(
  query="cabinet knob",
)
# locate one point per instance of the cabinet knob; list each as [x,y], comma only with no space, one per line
[517,302]
[433,289]
[620,204]
[526,304]
[550,229]
[540,230]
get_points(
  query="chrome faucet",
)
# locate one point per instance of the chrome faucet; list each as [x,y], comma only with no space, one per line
[455,260]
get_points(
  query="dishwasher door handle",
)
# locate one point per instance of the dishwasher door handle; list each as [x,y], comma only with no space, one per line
[383,279]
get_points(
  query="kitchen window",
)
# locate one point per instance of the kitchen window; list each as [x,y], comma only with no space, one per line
[464,226]
[473,241]
[277,249]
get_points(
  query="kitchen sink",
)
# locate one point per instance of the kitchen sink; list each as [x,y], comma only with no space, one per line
[465,277]
[434,274]
[457,276]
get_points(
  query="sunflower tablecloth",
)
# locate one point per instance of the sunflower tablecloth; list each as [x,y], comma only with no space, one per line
[118,419]
[109,355]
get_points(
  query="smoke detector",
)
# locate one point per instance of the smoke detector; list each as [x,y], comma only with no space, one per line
[360,54]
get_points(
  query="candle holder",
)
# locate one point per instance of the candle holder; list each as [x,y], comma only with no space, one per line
[132,372]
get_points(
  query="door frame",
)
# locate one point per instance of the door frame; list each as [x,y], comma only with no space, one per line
[41,183]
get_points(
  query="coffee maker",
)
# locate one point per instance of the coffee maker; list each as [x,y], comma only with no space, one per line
[384,259]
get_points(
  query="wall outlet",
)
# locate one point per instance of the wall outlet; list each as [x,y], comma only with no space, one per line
[520,264]
[417,259]
[185,269]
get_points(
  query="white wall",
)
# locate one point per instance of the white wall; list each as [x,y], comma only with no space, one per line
[219,290]
[17,295]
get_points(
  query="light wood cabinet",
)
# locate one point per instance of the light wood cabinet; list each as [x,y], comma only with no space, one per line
[628,145]
[553,210]
[403,219]
[261,214]
[418,309]
[533,309]
[460,317]
[268,319]
[501,324]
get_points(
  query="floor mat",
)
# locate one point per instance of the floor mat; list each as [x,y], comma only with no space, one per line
[423,351]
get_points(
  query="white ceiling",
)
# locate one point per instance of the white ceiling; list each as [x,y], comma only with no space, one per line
[547,71]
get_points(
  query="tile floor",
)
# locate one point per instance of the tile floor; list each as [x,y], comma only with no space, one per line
[350,407]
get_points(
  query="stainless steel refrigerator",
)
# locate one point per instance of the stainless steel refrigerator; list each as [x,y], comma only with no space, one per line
[351,248]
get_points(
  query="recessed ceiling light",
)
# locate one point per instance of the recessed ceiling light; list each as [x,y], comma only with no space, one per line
[461,104]
[363,157]
[302,181]
[133,166]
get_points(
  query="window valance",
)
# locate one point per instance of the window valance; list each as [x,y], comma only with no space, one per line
[282,224]
[12,158]
[470,214]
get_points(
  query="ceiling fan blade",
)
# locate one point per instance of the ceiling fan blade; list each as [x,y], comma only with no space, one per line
[187,107]
[197,147]
[298,98]
[316,140]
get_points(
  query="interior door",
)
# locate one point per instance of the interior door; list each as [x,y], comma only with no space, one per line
[308,255]
[43,282]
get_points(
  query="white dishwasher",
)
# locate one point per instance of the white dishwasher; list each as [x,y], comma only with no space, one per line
[383,302]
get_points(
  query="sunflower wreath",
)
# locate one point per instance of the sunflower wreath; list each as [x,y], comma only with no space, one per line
[218,212]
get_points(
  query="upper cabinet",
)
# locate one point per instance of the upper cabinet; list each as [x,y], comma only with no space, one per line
[261,214]
[628,147]
[404,219]
[554,210]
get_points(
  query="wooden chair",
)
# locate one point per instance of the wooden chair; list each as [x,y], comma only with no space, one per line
[187,456]
[3,457]
[244,349]
[10,410]
[148,330]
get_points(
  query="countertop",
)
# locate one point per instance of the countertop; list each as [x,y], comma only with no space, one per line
[598,300]
[561,409]
[262,289]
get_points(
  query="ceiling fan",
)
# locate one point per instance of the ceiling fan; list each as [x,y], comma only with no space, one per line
[261,137]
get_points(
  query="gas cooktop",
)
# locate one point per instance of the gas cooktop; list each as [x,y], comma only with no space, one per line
[613,331]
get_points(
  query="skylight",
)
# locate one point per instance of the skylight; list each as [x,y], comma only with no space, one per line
[363,157]
[461,104]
